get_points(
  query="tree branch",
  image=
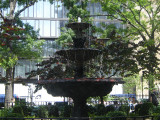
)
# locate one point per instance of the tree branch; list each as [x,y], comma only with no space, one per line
[1,15]
[138,22]
[25,7]
[12,8]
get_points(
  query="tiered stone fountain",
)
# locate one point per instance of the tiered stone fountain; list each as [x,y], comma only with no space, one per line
[79,88]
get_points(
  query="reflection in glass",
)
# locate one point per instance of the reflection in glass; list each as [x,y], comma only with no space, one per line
[49,48]
[23,67]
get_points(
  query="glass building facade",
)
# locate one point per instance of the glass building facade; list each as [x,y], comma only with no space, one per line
[49,19]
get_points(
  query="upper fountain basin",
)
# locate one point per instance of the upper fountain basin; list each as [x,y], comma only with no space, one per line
[79,54]
[78,26]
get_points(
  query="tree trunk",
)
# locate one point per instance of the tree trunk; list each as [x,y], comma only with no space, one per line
[12,8]
[8,94]
[9,88]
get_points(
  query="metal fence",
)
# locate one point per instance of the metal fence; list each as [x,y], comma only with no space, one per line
[89,118]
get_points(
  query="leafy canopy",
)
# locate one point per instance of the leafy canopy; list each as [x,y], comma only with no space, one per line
[141,19]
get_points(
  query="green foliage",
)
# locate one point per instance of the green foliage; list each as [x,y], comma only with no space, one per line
[77,9]
[11,113]
[53,111]
[4,4]
[117,114]
[156,116]
[18,110]
[65,39]
[14,115]
[100,110]
[144,109]
[124,108]
[137,108]
[4,112]
[137,16]
[42,111]
[18,41]
[110,108]
[65,111]
[91,110]
[131,82]
[26,110]
[156,109]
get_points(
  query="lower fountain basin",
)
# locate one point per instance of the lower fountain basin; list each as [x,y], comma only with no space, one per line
[79,54]
[85,87]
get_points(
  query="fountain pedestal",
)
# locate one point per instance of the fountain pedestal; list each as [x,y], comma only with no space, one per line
[80,108]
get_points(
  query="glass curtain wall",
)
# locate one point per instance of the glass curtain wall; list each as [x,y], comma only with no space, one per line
[49,19]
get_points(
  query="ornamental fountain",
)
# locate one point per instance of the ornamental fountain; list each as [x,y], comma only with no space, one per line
[79,88]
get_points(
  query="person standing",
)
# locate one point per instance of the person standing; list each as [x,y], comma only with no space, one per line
[153,98]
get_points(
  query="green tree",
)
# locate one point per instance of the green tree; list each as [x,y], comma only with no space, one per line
[17,41]
[131,83]
[77,9]
[141,18]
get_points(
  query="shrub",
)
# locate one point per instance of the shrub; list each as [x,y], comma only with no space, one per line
[4,112]
[100,110]
[21,102]
[124,108]
[156,109]
[91,109]
[26,110]
[42,111]
[110,108]
[9,113]
[66,111]
[137,108]
[16,115]
[144,109]
[117,114]
[53,111]
[18,110]
[156,116]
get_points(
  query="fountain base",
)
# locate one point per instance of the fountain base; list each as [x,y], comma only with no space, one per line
[79,90]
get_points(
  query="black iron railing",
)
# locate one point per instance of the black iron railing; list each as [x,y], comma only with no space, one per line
[89,118]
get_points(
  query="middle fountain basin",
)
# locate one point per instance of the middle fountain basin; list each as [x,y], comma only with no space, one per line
[86,87]
[79,54]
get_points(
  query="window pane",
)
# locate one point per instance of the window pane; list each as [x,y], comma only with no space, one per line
[47,9]
[40,9]
[53,28]
[31,11]
[53,10]
[46,28]
[41,27]
[56,9]
[60,10]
